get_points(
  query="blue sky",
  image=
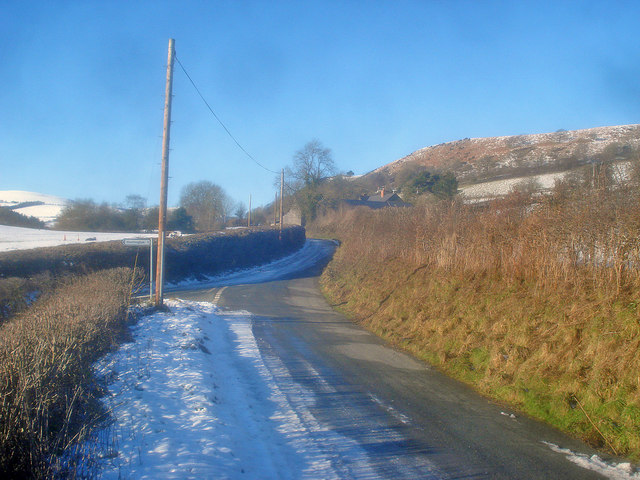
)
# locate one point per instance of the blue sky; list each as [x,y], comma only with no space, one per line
[82,94]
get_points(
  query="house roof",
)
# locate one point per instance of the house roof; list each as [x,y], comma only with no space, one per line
[389,197]
[378,201]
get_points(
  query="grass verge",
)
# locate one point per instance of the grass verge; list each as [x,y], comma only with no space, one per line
[534,306]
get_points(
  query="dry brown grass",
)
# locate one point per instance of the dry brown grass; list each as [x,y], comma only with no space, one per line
[532,302]
[46,385]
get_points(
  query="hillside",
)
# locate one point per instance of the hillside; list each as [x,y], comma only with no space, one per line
[545,156]
[31,204]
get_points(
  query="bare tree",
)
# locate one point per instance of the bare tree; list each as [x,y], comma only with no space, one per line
[311,164]
[240,212]
[135,202]
[135,206]
[207,203]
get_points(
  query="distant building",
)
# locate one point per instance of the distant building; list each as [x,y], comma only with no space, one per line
[294,217]
[381,199]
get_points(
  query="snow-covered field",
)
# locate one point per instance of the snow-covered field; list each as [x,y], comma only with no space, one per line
[497,188]
[192,397]
[50,207]
[621,172]
[18,238]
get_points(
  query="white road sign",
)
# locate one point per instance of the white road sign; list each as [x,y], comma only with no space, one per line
[136,242]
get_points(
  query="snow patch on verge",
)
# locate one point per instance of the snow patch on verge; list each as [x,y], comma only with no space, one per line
[619,471]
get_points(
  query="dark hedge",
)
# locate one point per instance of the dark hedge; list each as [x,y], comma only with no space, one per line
[191,256]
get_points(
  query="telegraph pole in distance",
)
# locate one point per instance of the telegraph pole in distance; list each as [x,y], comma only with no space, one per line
[162,217]
[275,210]
[249,215]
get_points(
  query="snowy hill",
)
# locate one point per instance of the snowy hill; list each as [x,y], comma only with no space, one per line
[39,205]
[493,165]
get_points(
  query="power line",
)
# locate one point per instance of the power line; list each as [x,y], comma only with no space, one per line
[220,121]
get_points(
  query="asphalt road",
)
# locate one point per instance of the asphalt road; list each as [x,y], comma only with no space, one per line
[412,421]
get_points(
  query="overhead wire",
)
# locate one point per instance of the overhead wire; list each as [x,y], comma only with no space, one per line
[220,121]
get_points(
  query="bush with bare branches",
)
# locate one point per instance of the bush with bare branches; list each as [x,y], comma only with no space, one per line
[48,395]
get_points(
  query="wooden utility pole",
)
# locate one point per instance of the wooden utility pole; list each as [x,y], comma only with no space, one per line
[275,210]
[162,218]
[281,198]
[249,214]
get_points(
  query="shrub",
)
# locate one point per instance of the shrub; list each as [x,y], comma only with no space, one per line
[48,400]
[15,219]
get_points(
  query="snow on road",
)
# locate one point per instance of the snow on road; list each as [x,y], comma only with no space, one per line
[613,471]
[191,397]
[312,253]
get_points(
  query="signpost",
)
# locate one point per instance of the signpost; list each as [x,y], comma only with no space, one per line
[143,242]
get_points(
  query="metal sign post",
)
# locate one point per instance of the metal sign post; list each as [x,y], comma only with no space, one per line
[143,242]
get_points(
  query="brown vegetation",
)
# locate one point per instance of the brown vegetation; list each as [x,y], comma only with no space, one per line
[48,398]
[531,301]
